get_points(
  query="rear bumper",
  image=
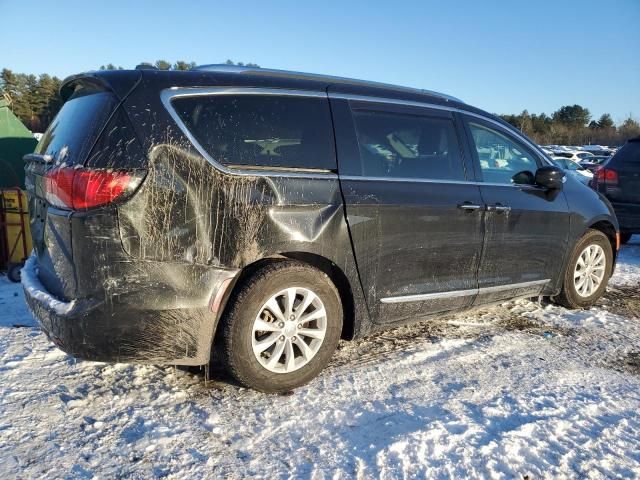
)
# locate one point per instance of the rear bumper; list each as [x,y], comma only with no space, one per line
[628,215]
[138,327]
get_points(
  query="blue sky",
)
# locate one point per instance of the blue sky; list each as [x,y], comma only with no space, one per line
[503,56]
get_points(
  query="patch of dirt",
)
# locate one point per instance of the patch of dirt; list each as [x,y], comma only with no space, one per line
[632,362]
[380,344]
[520,323]
[623,301]
[480,324]
[627,363]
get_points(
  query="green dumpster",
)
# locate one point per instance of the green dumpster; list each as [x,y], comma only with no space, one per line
[15,142]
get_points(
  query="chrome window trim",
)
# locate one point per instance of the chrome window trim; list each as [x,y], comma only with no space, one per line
[363,178]
[168,94]
[175,92]
[392,101]
[463,293]
[263,168]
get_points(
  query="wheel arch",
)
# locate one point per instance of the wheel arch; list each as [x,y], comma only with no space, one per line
[608,228]
[333,271]
[339,279]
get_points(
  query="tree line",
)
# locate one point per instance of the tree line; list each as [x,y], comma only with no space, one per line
[36,100]
[573,125]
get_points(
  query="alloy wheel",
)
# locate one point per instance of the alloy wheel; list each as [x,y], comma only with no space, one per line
[589,271]
[289,330]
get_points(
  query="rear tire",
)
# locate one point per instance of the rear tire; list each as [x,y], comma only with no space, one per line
[588,271]
[625,237]
[268,318]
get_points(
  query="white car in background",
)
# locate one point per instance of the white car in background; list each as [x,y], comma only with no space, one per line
[575,155]
[574,169]
[548,151]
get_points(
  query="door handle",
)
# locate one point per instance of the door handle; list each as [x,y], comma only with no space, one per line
[469,206]
[498,207]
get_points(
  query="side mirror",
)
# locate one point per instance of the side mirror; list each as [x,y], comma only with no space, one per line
[524,177]
[550,177]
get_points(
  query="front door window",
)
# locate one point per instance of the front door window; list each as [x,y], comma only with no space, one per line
[502,160]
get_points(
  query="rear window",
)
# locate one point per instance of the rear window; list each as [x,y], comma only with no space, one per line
[629,153]
[73,132]
[261,130]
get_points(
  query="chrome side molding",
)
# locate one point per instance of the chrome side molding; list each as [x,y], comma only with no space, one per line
[464,293]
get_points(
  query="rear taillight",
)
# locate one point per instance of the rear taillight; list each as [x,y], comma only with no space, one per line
[81,188]
[605,177]
[608,176]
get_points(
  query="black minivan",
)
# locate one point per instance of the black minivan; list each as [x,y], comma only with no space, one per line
[618,180]
[263,215]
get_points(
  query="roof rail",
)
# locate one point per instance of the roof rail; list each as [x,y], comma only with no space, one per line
[225,68]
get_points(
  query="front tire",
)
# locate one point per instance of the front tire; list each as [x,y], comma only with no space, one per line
[281,327]
[588,271]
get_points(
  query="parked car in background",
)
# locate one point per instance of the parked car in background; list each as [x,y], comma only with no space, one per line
[575,155]
[619,180]
[594,162]
[582,156]
[267,214]
[598,150]
[547,151]
[574,169]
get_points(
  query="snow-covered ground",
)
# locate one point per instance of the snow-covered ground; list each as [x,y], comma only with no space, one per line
[508,392]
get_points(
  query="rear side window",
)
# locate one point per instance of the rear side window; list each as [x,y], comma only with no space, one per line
[261,130]
[73,132]
[408,146]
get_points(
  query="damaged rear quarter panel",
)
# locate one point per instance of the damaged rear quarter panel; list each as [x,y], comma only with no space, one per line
[190,212]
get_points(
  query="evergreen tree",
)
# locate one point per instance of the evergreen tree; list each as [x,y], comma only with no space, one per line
[630,128]
[572,115]
[605,121]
